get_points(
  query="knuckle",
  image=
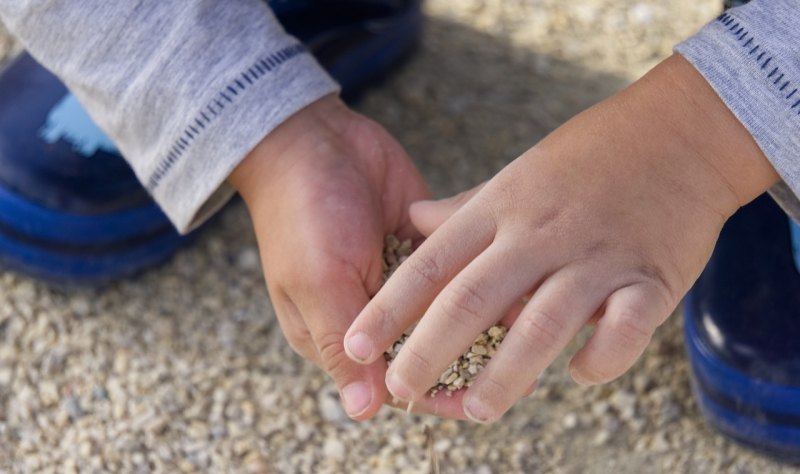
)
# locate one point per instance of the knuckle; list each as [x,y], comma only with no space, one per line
[464,305]
[331,351]
[495,389]
[631,330]
[418,368]
[541,331]
[500,196]
[426,267]
[494,394]
[495,204]
[381,316]
[657,278]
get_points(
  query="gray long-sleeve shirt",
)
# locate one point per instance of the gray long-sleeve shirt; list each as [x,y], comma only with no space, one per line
[187,88]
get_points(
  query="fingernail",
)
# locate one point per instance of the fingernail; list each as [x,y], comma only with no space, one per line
[579,379]
[356,398]
[397,387]
[476,410]
[359,346]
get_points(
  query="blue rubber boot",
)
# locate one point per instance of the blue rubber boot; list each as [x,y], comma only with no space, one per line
[742,327]
[71,209]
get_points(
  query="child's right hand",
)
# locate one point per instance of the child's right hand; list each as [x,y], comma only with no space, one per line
[612,217]
[323,190]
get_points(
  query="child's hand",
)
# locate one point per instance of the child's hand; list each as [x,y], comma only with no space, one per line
[611,219]
[323,190]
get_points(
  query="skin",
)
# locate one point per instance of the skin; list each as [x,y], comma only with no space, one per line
[610,219]
[323,189]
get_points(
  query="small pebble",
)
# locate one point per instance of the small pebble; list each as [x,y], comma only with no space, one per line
[330,406]
[99,393]
[569,421]
[48,393]
[6,375]
[625,403]
[157,425]
[73,407]
[248,259]
[333,449]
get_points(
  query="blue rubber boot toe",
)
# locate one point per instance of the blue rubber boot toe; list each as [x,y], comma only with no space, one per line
[742,325]
[71,209]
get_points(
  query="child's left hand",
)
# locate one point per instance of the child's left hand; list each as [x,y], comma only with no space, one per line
[610,218]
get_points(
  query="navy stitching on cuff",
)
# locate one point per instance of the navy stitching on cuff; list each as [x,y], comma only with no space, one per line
[726,19]
[215,106]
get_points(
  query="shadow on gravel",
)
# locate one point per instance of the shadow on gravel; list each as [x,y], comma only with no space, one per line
[467,103]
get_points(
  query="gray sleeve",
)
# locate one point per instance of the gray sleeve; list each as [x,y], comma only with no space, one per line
[751,56]
[185,89]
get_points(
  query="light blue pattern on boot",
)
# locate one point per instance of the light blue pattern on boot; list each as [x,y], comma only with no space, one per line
[68,121]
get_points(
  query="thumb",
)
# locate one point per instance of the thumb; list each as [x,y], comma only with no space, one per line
[329,310]
[427,216]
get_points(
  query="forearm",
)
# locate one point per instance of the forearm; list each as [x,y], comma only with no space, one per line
[184,89]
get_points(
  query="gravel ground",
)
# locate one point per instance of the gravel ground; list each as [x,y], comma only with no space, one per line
[183,369]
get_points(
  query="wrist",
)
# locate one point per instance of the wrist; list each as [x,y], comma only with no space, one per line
[318,122]
[719,150]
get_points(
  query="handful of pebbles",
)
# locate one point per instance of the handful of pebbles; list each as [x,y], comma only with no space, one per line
[463,371]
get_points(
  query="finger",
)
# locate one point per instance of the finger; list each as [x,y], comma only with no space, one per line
[427,216]
[531,389]
[516,309]
[415,284]
[414,189]
[632,315]
[473,301]
[328,306]
[556,312]
[441,405]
